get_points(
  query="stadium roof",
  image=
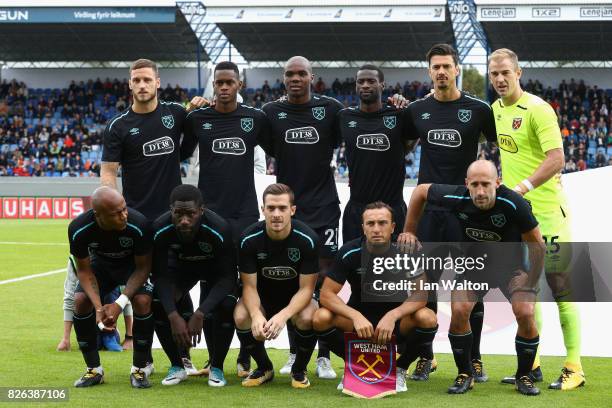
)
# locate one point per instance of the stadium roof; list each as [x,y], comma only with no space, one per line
[333,30]
[337,41]
[97,33]
[538,30]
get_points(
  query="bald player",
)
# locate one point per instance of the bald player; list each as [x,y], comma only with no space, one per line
[112,246]
[302,140]
[488,212]
[303,136]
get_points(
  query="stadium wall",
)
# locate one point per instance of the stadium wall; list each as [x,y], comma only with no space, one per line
[187,77]
[61,78]
[257,76]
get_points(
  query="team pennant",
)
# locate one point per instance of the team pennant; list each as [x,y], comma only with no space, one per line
[369,368]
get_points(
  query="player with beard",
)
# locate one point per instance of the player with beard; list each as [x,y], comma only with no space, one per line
[376,320]
[449,125]
[144,141]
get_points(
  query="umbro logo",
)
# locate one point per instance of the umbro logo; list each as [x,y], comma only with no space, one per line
[463,216]
[261,256]
[425,116]
[207,126]
[134,131]
[352,124]
[282,115]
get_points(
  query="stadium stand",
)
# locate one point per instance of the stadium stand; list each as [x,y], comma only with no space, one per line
[57,132]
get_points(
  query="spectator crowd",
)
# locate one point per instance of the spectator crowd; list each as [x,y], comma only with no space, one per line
[57,132]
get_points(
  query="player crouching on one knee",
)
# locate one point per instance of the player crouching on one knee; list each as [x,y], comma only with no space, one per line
[278,269]
[376,321]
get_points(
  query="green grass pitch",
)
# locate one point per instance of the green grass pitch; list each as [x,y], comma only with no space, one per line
[31,326]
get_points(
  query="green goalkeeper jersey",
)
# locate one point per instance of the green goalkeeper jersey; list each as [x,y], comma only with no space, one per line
[526,130]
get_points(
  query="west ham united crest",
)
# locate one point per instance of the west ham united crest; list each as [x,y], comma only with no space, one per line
[168,121]
[318,113]
[293,254]
[389,121]
[499,220]
[464,115]
[205,246]
[126,242]
[246,124]
[370,363]
[516,123]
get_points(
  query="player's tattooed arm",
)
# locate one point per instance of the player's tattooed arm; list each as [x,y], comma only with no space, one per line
[140,275]
[89,283]
[108,174]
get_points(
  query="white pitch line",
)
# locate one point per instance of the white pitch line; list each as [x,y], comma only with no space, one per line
[38,275]
[33,243]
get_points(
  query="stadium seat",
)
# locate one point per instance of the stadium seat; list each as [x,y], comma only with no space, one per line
[13,147]
[591,151]
[609,151]
[57,174]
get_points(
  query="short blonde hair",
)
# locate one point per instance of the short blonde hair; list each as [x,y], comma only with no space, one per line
[503,53]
